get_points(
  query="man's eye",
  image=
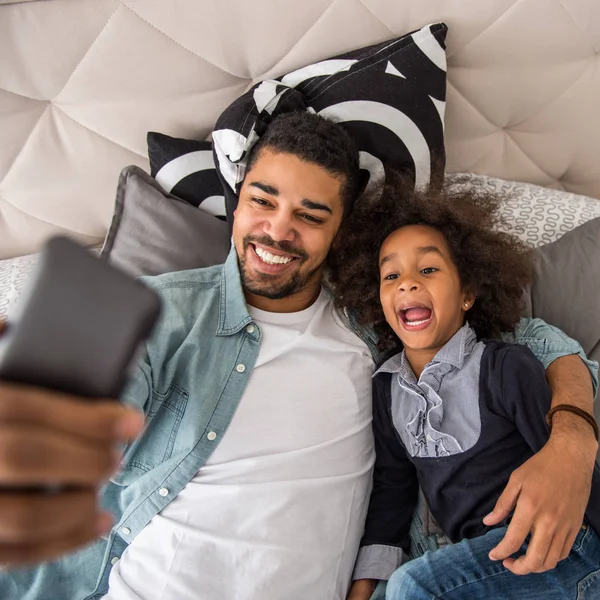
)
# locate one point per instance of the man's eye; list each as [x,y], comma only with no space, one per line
[312,219]
[429,270]
[260,201]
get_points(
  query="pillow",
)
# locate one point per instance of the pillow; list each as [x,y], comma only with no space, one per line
[14,274]
[390,97]
[152,232]
[536,215]
[565,290]
[186,169]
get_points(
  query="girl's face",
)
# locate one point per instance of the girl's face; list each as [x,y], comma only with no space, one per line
[420,289]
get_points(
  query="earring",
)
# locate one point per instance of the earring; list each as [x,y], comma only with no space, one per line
[466,305]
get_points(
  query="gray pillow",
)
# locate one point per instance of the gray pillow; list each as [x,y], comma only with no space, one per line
[153,232]
[565,290]
[566,285]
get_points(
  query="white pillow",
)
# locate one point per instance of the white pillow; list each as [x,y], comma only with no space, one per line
[535,214]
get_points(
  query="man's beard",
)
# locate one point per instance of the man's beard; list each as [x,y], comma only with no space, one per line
[263,284]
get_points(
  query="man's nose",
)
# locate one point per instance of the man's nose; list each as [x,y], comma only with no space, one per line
[279,227]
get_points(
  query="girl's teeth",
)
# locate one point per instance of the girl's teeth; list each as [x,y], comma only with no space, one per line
[417,322]
[271,259]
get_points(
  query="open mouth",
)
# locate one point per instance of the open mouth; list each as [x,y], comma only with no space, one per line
[415,316]
[270,260]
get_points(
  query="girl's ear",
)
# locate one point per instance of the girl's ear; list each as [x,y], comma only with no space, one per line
[469,297]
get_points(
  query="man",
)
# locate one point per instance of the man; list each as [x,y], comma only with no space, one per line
[251,477]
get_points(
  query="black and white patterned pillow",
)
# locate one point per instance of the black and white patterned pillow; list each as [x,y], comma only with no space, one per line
[186,169]
[390,97]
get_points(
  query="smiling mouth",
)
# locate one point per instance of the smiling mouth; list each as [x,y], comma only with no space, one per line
[272,259]
[273,262]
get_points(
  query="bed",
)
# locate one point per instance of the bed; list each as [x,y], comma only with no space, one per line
[83,81]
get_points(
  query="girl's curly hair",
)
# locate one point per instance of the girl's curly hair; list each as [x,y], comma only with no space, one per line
[495,265]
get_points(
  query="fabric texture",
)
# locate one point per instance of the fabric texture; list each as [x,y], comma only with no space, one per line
[390,97]
[189,404]
[292,472]
[14,275]
[419,407]
[186,169]
[566,286]
[465,572]
[461,488]
[82,82]
[153,233]
[535,214]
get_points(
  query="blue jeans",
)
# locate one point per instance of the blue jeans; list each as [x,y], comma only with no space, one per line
[463,571]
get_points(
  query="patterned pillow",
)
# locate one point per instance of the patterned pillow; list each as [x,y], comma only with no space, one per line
[186,169]
[535,214]
[390,97]
[14,274]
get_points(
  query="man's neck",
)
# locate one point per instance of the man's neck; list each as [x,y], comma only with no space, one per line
[293,303]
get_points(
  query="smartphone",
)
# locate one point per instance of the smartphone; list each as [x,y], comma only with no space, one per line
[79,326]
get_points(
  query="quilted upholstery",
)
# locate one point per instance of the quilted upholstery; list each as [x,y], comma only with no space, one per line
[82,81]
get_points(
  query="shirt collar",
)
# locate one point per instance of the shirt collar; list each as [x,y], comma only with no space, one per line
[454,352]
[233,311]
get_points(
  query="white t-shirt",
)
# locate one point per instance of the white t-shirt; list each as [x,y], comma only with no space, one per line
[278,510]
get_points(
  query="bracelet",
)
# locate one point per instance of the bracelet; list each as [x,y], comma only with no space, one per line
[576,411]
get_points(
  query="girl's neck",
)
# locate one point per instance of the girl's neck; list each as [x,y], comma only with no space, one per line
[418,359]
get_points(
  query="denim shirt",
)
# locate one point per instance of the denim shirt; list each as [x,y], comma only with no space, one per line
[188,382]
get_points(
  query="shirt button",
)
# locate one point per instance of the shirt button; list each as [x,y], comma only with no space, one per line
[211,436]
[163,492]
[240,368]
[114,560]
[250,328]
[125,530]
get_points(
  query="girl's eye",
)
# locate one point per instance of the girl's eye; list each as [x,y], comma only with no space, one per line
[428,270]
[391,276]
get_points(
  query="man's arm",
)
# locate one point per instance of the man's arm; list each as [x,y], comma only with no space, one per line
[49,438]
[552,488]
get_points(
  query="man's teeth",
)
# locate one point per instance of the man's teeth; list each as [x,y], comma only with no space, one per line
[271,259]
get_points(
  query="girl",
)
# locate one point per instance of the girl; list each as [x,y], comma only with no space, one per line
[454,410]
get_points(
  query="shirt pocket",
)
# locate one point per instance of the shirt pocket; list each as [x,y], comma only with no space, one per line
[156,443]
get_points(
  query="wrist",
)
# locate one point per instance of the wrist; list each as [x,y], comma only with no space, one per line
[571,430]
[362,588]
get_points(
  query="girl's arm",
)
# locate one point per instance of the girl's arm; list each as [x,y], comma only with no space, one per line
[386,542]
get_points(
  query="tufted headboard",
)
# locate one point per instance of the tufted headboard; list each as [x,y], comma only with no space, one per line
[82,81]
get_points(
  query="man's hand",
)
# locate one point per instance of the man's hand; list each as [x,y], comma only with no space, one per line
[55,451]
[550,492]
[362,589]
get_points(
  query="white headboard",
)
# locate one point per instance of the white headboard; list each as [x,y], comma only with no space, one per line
[82,81]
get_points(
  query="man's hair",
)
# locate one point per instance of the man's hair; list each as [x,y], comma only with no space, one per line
[314,139]
[494,265]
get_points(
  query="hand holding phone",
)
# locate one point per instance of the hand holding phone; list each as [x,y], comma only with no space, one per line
[80,324]
[78,332]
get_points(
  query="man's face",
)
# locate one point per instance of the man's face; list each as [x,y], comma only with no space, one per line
[288,214]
